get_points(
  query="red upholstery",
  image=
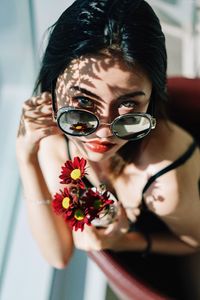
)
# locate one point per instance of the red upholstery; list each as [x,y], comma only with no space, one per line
[184,103]
[124,270]
[125,284]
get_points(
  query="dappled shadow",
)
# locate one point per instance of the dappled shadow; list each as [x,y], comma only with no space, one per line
[82,71]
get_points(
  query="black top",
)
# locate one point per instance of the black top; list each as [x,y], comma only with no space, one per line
[147,220]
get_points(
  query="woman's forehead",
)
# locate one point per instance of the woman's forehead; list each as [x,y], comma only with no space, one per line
[91,67]
[94,64]
[104,67]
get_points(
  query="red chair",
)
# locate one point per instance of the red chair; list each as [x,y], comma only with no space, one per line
[158,276]
[184,103]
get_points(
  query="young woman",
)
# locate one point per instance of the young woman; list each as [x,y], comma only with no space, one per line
[105,66]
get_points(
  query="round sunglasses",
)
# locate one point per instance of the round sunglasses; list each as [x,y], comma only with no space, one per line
[80,122]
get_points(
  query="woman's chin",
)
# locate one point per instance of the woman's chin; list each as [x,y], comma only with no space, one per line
[97,157]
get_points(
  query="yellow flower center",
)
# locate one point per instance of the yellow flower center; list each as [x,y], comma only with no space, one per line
[75,174]
[79,127]
[79,215]
[65,202]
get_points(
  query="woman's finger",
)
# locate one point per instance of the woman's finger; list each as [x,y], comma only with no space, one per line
[121,223]
[46,96]
[37,111]
[44,132]
[32,126]
[92,230]
[40,121]
[33,102]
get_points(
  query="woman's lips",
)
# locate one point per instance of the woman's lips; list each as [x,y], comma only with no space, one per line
[99,147]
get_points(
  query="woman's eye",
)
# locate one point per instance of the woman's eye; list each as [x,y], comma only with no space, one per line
[85,102]
[127,104]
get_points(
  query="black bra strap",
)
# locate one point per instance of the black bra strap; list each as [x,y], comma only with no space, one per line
[68,147]
[181,160]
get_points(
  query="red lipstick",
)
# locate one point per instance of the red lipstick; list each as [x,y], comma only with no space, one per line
[99,147]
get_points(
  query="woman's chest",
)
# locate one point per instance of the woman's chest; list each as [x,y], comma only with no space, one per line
[130,188]
[129,192]
[136,189]
[127,187]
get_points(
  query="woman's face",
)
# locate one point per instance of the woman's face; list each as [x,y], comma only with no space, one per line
[106,86]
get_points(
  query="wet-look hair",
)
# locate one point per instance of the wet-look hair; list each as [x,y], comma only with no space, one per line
[128,26]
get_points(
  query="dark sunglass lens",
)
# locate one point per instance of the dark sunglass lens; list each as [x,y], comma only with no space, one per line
[131,127]
[77,122]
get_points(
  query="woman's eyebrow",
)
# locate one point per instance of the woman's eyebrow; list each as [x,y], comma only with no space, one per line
[84,91]
[132,94]
[89,93]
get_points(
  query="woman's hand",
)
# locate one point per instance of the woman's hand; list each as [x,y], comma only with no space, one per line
[36,123]
[96,239]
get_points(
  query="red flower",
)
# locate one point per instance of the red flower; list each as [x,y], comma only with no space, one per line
[78,211]
[77,205]
[95,202]
[78,218]
[62,203]
[73,172]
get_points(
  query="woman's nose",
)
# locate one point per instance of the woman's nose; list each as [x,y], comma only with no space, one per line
[104,131]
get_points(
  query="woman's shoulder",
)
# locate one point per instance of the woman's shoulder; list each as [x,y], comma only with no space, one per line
[170,141]
[175,146]
[184,139]
[52,155]
[179,132]
[171,150]
[182,143]
[178,188]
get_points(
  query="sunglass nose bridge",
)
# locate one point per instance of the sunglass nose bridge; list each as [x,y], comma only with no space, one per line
[107,124]
[104,130]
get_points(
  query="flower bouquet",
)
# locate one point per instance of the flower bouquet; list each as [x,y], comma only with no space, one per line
[80,205]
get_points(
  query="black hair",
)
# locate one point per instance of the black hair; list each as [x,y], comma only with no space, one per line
[89,26]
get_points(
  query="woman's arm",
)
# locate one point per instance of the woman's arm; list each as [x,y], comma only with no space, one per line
[115,237]
[161,243]
[50,232]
